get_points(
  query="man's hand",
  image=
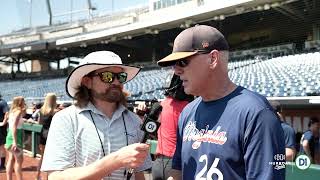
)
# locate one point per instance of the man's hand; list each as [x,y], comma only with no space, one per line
[133,156]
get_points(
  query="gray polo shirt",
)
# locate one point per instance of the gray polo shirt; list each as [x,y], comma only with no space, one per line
[73,140]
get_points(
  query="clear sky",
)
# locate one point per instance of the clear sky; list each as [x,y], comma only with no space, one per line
[18,14]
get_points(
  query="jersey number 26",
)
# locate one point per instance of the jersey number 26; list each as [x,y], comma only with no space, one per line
[213,169]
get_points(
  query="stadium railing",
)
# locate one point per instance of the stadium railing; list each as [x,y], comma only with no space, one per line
[34,129]
[294,173]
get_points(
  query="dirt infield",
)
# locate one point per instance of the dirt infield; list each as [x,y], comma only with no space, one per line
[29,168]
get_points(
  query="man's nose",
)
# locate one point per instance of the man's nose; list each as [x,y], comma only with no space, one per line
[116,81]
[178,70]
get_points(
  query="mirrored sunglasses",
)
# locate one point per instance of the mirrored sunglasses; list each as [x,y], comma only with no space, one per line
[108,77]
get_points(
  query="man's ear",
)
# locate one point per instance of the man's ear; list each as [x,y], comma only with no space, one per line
[214,56]
[86,81]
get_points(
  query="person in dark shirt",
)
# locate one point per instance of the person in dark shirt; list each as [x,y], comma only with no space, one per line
[228,132]
[4,108]
[289,133]
[310,139]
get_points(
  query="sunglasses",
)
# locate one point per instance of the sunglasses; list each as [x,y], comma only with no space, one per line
[182,63]
[185,62]
[108,77]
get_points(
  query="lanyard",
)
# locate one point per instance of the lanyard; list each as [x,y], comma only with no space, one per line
[125,128]
[102,147]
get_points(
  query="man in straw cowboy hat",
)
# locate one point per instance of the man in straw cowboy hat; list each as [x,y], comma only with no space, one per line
[228,132]
[97,137]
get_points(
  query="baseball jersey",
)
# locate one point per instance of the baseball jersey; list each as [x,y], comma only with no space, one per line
[235,137]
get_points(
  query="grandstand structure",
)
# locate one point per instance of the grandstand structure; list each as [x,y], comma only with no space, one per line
[274,44]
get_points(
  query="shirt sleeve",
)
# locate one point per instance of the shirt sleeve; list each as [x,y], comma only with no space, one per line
[307,136]
[176,160]
[264,149]
[60,146]
[290,137]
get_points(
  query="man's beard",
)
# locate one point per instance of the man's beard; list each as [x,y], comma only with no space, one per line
[113,94]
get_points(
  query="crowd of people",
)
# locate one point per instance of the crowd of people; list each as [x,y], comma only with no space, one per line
[11,130]
[211,128]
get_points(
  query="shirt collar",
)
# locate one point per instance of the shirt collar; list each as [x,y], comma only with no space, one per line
[92,108]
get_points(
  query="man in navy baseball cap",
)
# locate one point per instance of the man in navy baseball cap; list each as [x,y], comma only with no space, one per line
[228,132]
[198,39]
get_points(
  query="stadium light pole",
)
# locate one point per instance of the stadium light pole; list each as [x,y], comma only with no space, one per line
[112,6]
[90,9]
[30,13]
[71,9]
[49,12]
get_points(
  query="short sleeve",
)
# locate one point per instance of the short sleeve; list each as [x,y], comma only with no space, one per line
[264,149]
[307,136]
[290,137]
[60,146]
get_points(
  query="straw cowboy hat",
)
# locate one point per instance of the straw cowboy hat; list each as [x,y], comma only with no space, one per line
[94,61]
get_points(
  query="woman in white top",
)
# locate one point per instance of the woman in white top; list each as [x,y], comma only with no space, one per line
[14,144]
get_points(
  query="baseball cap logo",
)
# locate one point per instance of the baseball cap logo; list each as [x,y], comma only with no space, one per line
[205,44]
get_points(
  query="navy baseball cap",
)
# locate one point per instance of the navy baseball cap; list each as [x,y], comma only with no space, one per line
[200,38]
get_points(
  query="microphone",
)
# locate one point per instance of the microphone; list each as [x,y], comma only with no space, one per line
[150,126]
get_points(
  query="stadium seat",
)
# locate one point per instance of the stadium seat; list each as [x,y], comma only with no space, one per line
[293,75]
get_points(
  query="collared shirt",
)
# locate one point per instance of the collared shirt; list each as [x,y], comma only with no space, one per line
[73,139]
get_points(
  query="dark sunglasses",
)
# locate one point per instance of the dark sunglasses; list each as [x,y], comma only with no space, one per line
[182,63]
[185,62]
[108,77]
